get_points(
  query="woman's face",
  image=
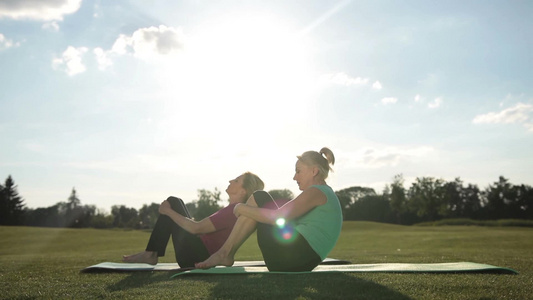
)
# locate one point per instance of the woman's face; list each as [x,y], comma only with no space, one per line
[235,190]
[304,175]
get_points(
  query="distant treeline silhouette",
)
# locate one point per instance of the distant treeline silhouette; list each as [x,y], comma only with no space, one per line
[427,200]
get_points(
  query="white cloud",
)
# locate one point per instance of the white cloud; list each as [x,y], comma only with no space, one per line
[392,156]
[512,98]
[436,103]
[52,26]
[343,79]
[71,61]
[145,43]
[149,42]
[375,159]
[103,59]
[520,113]
[389,100]
[44,10]
[377,85]
[418,98]
[6,43]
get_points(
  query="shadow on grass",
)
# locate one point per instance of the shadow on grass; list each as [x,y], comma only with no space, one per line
[271,286]
[290,286]
[138,280]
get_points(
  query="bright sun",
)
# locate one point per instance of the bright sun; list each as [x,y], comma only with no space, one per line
[240,58]
[256,56]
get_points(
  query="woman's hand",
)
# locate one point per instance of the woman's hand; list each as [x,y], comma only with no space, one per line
[236,210]
[164,207]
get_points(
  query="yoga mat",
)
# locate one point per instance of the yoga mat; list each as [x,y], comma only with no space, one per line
[456,267]
[130,267]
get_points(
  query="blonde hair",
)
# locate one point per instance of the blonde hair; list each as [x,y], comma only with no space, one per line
[251,183]
[323,160]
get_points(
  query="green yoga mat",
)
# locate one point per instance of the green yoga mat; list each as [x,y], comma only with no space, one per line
[456,267]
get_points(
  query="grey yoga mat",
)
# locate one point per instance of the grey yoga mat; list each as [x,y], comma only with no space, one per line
[129,267]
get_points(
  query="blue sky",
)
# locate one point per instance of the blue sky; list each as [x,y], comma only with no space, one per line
[132,101]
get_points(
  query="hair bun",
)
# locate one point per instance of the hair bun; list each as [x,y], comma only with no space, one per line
[328,155]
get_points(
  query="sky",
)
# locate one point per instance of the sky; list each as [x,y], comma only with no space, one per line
[130,102]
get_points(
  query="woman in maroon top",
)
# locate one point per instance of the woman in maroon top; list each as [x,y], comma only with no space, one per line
[195,241]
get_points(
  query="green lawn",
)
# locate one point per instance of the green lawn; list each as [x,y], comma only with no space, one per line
[45,263]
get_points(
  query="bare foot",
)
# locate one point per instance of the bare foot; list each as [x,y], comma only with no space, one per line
[217,259]
[147,257]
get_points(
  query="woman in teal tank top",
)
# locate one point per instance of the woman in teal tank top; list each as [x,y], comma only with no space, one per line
[297,235]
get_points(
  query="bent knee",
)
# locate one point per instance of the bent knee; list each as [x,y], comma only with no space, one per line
[251,201]
[261,198]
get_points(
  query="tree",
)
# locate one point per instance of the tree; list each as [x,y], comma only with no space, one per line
[397,198]
[349,196]
[453,198]
[281,194]
[73,200]
[148,215]
[85,219]
[124,217]
[11,204]
[102,220]
[207,203]
[191,207]
[462,202]
[471,201]
[498,198]
[374,208]
[525,201]
[74,212]
[44,217]
[426,198]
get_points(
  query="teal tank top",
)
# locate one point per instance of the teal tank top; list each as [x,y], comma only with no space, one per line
[321,227]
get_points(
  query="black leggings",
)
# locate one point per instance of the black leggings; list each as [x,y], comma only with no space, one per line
[188,247]
[283,248]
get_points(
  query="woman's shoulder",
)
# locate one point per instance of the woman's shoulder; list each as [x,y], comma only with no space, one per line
[325,189]
[322,187]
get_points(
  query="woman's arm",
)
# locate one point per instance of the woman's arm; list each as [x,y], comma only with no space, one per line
[201,227]
[306,201]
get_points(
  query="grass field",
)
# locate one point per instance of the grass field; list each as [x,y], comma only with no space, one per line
[45,263]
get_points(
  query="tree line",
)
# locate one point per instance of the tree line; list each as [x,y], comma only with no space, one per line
[427,199]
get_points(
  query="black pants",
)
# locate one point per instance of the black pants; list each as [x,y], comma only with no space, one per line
[188,247]
[283,248]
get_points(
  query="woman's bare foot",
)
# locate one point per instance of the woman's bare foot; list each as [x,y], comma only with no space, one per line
[217,259]
[147,257]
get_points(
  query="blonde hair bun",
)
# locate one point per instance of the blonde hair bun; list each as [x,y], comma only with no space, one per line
[328,154]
